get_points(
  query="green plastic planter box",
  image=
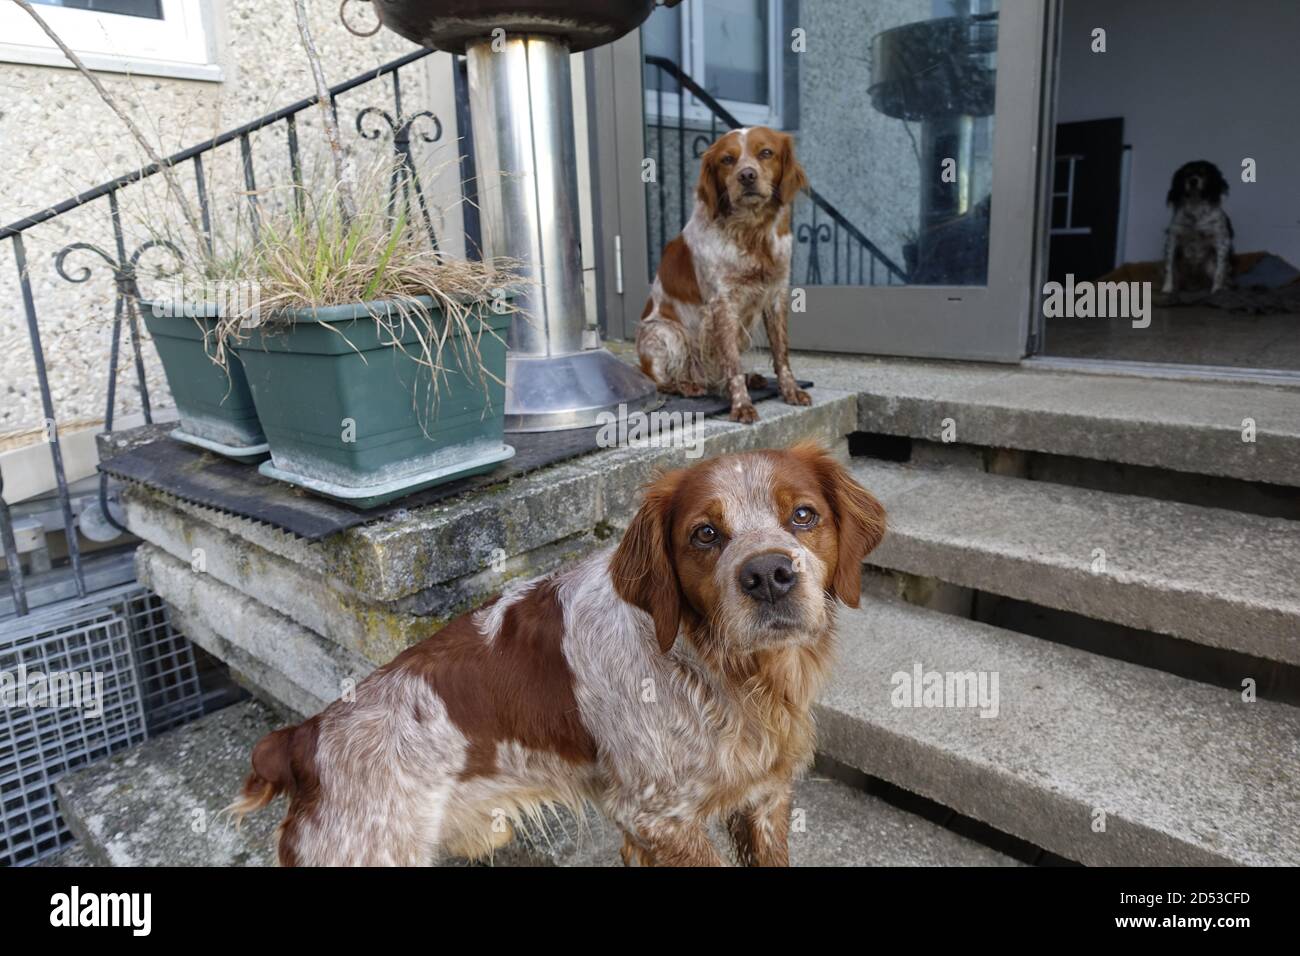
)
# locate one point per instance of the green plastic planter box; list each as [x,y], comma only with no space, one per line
[215,405]
[350,416]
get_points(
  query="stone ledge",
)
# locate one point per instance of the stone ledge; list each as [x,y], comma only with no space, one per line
[378,588]
[288,664]
[392,559]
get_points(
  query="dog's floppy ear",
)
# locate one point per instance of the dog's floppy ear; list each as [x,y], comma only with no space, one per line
[643,570]
[1176,187]
[859,519]
[793,178]
[709,191]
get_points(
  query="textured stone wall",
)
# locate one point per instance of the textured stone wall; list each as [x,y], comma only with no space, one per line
[57,139]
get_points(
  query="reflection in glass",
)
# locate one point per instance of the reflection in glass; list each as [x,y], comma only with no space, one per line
[891,106]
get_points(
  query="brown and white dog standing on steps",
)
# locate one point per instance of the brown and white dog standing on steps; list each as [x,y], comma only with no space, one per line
[729,266]
[667,681]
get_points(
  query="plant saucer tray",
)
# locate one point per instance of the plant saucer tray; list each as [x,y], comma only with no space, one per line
[242,453]
[371,496]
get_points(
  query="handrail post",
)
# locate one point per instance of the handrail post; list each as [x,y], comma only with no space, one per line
[12,562]
[51,424]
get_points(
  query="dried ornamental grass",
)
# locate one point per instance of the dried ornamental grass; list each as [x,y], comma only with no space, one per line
[309,256]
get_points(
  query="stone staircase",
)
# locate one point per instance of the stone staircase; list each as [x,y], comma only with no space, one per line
[160,805]
[1108,549]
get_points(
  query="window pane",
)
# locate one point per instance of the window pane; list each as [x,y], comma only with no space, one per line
[735,50]
[895,130]
[662,36]
[130,8]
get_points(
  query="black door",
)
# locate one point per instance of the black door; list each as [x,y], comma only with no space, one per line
[1086,199]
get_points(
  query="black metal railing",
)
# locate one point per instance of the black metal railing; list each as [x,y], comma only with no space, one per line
[371,123]
[851,257]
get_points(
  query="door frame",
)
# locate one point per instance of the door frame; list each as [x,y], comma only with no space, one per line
[1037,356]
[983,323]
[617,122]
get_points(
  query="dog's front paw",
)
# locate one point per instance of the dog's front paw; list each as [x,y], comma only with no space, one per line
[745,413]
[1167,288]
[796,396]
[691,390]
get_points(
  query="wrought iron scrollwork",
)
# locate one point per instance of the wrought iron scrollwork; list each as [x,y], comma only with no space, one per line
[813,235]
[126,270]
[405,180]
[343,18]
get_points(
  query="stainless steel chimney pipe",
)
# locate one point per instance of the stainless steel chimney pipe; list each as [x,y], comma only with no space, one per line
[521,108]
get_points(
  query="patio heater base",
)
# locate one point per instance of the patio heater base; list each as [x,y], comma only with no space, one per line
[521,112]
[551,393]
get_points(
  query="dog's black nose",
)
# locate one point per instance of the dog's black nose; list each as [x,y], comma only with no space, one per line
[768,577]
[747,176]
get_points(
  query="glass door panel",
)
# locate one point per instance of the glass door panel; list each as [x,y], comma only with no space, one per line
[917,123]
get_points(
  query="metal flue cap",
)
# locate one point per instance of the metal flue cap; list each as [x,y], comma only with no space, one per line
[451,24]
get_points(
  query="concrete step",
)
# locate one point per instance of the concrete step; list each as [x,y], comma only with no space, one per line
[835,825]
[1180,425]
[158,805]
[73,856]
[1179,773]
[1215,577]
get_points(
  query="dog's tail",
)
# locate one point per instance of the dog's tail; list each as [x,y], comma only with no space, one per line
[272,773]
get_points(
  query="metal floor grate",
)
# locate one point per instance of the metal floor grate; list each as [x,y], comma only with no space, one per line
[143,680]
[164,664]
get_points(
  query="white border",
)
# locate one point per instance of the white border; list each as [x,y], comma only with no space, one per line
[181,45]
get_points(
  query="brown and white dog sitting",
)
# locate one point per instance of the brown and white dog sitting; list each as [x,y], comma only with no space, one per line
[667,681]
[729,266]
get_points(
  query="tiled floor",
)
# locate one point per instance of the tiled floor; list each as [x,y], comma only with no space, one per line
[1188,335]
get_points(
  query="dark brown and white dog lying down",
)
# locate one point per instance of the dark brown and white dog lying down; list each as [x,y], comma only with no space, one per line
[667,681]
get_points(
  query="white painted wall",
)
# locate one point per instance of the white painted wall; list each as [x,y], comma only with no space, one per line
[1195,79]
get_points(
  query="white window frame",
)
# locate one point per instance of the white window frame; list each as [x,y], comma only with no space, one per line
[181,44]
[696,113]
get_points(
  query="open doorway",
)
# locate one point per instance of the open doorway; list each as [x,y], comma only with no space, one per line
[1178,82]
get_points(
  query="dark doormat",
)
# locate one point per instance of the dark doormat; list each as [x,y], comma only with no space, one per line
[205,479]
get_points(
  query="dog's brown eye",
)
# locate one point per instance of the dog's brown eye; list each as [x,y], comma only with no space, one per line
[765,153]
[705,536]
[728,160]
[803,517]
